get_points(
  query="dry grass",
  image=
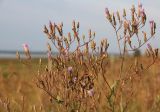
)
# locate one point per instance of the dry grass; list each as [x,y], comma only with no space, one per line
[16,81]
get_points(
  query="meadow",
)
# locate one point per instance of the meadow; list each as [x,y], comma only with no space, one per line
[17,84]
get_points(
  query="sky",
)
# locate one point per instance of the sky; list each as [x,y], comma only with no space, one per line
[22,21]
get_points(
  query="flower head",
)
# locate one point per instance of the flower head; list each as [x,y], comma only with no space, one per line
[70,69]
[142,12]
[25,47]
[151,23]
[107,12]
[74,79]
[90,92]
[26,50]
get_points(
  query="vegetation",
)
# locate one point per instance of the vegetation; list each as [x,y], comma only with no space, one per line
[87,78]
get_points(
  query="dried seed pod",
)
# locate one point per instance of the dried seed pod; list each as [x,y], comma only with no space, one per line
[18,55]
[94,34]
[108,15]
[89,33]
[154,27]
[133,11]
[118,16]
[150,48]
[26,50]
[107,12]
[93,45]
[59,28]
[114,20]
[49,47]
[144,36]
[69,37]
[126,24]
[124,12]
[45,30]
[156,52]
[143,16]
[52,28]
[73,25]
[139,9]
[106,45]
[147,53]
[78,25]
[129,41]
[135,26]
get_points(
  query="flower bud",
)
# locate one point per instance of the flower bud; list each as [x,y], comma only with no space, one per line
[144,36]
[139,9]
[108,15]
[18,55]
[118,16]
[114,20]
[156,52]
[26,50]
[45,29]
[78,25]
[89,33]
[152,23]
[49,47]
[73,25]
[150,48]
[52,28]
[107,12]
[143,16]
[93,45]
[69,37]
[124,12]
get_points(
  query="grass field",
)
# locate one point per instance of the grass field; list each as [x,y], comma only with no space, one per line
[17,84]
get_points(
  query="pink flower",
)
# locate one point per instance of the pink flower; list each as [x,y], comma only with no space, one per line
[107,12]
[142,13]
[74,79]
[151,23]
[70,69]
[25,47]
[90,92]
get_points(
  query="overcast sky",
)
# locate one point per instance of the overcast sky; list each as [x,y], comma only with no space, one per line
[21,21]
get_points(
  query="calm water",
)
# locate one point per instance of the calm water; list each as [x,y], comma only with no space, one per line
[12,54]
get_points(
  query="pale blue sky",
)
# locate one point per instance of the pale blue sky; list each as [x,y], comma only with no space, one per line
[21,21]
